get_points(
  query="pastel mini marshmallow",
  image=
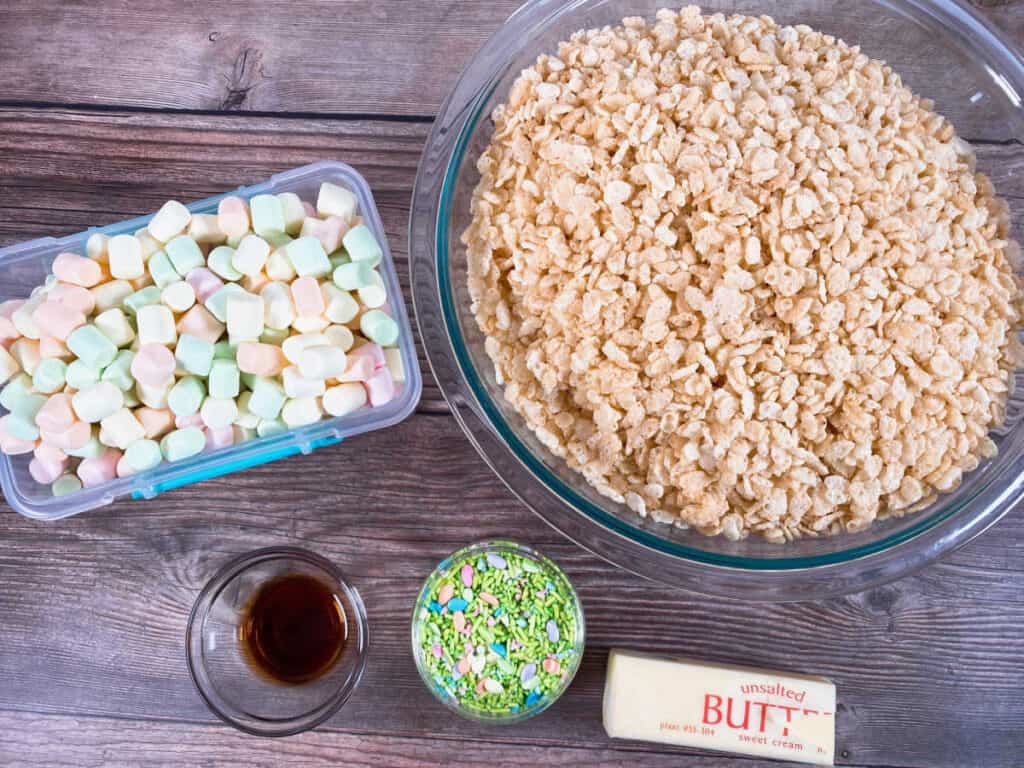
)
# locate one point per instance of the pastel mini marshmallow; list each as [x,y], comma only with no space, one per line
[220,263]
[339,336]
[156,325]
[393,360]
[260,359]
[200,322]
[172,219]
[162,270]
[279,266]
[224,380]
[380,387]
[26,352]
[267,215]
[50,376]
[270,427]
[362,246]
[99,470]
[92,347]
[182,444]
[343,399]
[233,217]
[335,200]
[293,346]
[154,365]
[53,318]
[115,326]
[358,368]
[217,304]
[71,439]
[307,298]
[12,446]
[310,324]
[8,366]
[220,438]
[301,411]
[124,254]
[21,428]
[251,255]
[186,396]
[111,294]
[374,352]
[194,355]
[329,231]
[178,297]
[353,275]
[94,404]
[205,229]
[278,306]
[244,315]
[156,422]
[185,254]
[49,347]
[149,244]
[192,420]
[77,270]
[293,212]
[373,296]
[266,399]
[254,283]
[339,305]
[379,327]
[74,296]
[96,247]
[204,283]
[322,362]
[46,472]
[22,317]
[152,396]
[297,385]
[219,413]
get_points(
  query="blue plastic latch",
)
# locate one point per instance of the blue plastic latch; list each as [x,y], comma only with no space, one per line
[232,466]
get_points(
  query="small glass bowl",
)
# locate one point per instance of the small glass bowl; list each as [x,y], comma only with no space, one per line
[233,689]
[441,690]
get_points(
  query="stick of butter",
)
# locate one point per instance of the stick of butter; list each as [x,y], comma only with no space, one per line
[735,709]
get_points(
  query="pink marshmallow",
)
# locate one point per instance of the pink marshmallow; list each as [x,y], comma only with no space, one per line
[260,359]
[204,282]
[74,296]
[254,283]
[195,420]
[56,319]
[51,347]
[50,453]
[45,472]
[100,470]
[56,415]
[157,422]
[77,270]
[153,365]
[308,299]
[70,439]
[7,330]
[371,351]
[9,307]
[232,216]
[12,446]
[123,470]
[199,322]
[380,387]
[329,232]
[358,368]
[220,438]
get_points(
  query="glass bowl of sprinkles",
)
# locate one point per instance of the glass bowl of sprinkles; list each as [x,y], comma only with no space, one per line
[497,632]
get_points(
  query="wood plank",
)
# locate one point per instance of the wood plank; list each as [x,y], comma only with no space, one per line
[48,741]
[928,669]
[397,58]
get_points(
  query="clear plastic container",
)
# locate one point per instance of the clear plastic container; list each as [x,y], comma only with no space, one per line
[943,51]
[26,265]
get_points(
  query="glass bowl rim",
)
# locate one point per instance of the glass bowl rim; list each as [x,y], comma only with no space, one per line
[482,548]
[252,724]
[934,534]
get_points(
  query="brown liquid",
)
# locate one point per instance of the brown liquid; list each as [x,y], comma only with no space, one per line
[293,629]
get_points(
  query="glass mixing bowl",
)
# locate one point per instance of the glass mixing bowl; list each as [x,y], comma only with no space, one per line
[943,52]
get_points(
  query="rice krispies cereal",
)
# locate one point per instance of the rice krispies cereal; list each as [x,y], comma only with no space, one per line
[741,278]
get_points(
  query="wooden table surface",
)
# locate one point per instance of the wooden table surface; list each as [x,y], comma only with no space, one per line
[106,110]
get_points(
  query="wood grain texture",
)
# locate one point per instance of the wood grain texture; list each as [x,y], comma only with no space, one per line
[93,609]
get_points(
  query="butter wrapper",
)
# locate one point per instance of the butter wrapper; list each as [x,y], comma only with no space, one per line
[712,706]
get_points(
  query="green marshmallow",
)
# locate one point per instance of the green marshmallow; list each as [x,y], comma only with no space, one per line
[217,303]
[144,297]
[186,397]
[274,336]
[81,376]
[224,379]
[92,449]
[183,443]
[162,270]
[194,355]
[185,254]
[50,375]
[353,276]
[21,427]
[224,350]
[277,239]
[65,484]
[378,327]
[362,245]
[308,257]
[267,398]
[18,397]
[267,215]
[268,427]
[142,455]
[119,372]
[91,347]
[219,262]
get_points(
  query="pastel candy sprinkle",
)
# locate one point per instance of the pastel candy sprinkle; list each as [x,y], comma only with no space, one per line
[437,650]
[533,698]
[529,670]
[446,593]
[496,561]
[467,575]
[552,629]
[457,604]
